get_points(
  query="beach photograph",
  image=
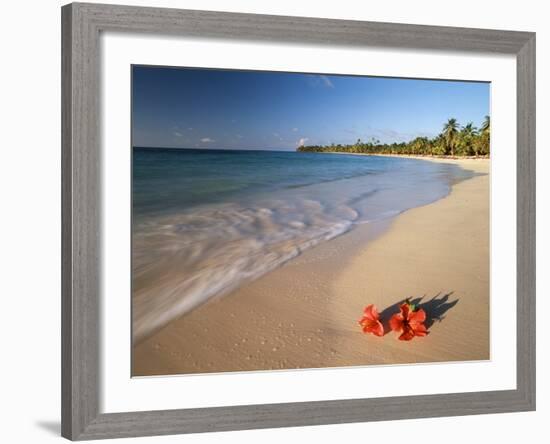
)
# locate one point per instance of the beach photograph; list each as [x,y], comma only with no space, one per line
[285,221]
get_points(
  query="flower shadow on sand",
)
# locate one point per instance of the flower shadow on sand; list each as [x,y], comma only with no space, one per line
[435,308]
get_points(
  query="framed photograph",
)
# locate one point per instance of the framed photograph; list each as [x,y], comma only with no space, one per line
[278,221]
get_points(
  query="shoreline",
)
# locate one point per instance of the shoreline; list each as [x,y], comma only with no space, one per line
[304,314]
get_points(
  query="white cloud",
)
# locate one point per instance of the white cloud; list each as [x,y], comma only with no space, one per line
[295,129]
[326,81]
[207,140]
[319,81]
[177,134]
[302,141]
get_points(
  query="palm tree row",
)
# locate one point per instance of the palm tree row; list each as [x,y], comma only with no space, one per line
[454,140]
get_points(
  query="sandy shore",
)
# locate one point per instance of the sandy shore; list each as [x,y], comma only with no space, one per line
[304,314]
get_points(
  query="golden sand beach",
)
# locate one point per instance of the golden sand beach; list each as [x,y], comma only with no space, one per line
[305,313]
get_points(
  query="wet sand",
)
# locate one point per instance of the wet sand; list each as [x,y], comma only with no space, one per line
[305,314]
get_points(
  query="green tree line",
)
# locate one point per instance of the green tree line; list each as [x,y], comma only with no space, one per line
[454,140]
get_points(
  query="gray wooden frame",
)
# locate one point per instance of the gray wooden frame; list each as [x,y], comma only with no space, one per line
[81,26]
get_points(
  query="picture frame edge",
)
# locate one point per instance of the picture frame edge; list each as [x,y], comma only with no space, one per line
[80,416]
[526,220]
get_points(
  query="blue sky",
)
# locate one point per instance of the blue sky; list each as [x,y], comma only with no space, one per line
[222,109]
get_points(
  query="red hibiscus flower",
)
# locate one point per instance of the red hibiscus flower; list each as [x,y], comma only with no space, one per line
[409,322]
[371,322]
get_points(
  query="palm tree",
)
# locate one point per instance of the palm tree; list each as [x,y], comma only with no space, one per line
[486,125]
[469,130]
[453,139]
[485,136]
[450,130]
[466,139]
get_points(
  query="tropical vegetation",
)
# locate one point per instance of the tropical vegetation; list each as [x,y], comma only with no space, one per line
[454,140]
